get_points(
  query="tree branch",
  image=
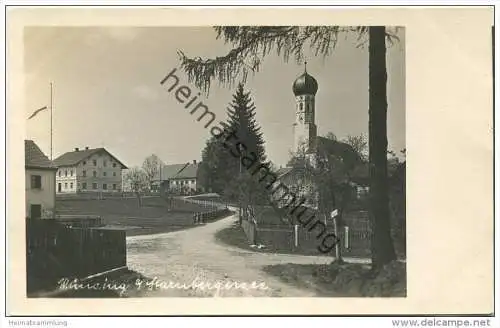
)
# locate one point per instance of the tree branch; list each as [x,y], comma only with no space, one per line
[259,41]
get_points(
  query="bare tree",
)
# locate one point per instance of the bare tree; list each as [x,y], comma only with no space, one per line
[359,144]
[328,169]
[137,180]
[151,167]
[168,196]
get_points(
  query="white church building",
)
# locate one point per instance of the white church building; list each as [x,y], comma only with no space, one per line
[307,142]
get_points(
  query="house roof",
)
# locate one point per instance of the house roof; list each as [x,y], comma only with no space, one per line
[189,171]
[35,158]
[179,171]
[74,157]
[345,151]
[282,171]
[170,171]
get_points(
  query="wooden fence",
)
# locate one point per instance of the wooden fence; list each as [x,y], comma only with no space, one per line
[211,215]
[354,236]
[56,251]
[250,229]
[97,195]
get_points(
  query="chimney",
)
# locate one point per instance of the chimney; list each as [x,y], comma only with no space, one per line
[87,148]
[76,149]
[194,161]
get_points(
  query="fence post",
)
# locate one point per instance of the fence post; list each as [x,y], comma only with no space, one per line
[254,232]
[346,236]
[296,229]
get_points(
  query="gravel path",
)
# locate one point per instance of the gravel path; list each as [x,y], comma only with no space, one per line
[193,257]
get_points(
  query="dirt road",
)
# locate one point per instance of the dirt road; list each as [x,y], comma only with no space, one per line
[193,257]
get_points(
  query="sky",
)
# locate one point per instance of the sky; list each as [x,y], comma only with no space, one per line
[107,92]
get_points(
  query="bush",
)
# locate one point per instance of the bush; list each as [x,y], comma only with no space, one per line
[390,281]
[350,279]
[344,279]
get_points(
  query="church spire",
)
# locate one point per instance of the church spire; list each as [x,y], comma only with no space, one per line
[305,84]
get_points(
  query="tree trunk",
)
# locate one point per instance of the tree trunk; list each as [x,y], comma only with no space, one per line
[381,244]
[139,200]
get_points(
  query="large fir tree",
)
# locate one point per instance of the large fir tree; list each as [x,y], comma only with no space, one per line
[241,114]
[221,169]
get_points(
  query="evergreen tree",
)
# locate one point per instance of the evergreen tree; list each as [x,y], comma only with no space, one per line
[209,167]
[221,170]
[241,114]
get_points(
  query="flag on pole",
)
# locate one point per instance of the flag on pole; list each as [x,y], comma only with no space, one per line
[37,111]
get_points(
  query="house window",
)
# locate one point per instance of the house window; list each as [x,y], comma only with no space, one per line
[94,162]
[65,173]
[66,185]
[59,173]
[84,163]
[104,186]
[104,163]
[103,174]
[114,186]
[94,174]
[84,173]
[114,174]
[71,172]
[36,182]
[71,185]
[114,164]
[84,185]
[94,186]
[193,181]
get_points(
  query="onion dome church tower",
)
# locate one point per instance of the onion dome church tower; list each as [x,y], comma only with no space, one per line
[305,130]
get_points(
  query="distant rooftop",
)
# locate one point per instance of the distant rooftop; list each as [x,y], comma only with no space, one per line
[179,171]
[74,157]
[35,158]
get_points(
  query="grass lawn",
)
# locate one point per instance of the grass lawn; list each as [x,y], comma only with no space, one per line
[152,217]
[344,280]
[280,240]
[281,244]
[234,236]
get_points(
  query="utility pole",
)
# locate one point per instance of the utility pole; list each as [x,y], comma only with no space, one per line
[51,131]
[241,191]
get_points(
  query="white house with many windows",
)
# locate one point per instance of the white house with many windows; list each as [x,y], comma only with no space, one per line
[88,170]
[40,182]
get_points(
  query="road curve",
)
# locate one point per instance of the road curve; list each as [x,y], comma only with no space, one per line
[191,263]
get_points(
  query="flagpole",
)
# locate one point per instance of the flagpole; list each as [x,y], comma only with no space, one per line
[51,131]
